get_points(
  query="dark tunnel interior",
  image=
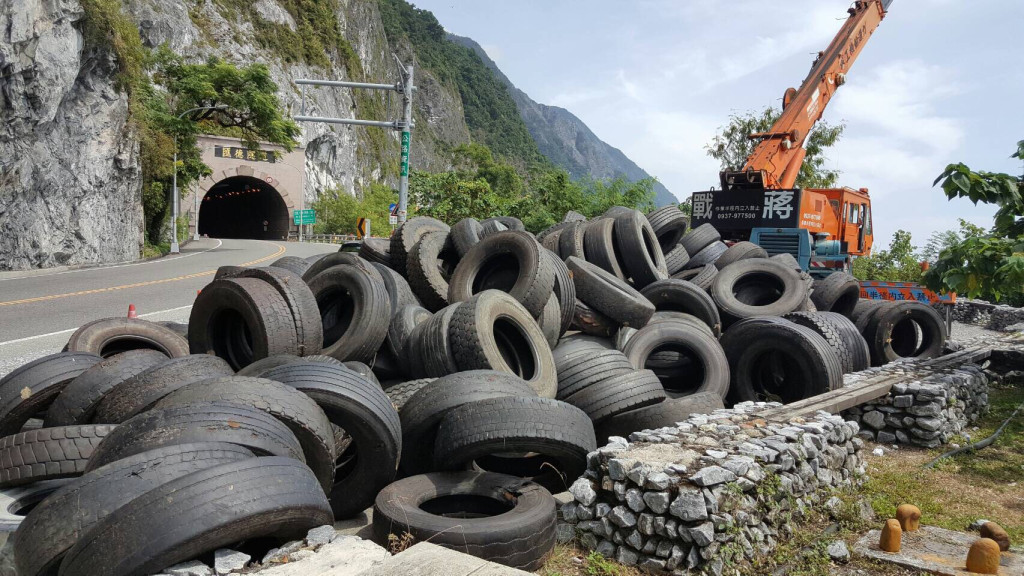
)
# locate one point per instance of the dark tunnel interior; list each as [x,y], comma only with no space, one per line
[243,207]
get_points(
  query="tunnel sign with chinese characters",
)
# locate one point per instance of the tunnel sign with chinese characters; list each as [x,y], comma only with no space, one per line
[746,209]
[301,217]
[238,153]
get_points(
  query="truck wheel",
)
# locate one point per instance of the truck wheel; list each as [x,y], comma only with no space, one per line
[704,365]
[837,292]
[700,237]
[609,295]
[600,248]
[740,251]
[640,249]
[682,296]
[509,261]
[111,336]
[757,287]
[703,277]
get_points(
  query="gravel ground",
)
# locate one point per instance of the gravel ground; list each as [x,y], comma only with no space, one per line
[966,332]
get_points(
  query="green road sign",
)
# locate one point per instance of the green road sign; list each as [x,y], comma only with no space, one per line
[405,153]
[304,217]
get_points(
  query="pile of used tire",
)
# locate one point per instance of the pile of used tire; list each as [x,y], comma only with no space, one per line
[477,364]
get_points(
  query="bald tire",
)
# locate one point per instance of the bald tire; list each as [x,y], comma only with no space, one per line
[660,415]
[407,235]
[550,321]
[436,344]
[292,264]
[570,242]
[400,393]
[709,255]
[327,261]
[32,388]
[609,295]
[403,322]
[355,310]
[590,367]
[641,252]
[560,434]
[740,251]
[48,453]
[370,461]
[423,268]
[140,392]
[110,336]
[422,413]
[257,368]
[837,292]
[376,250]
[600,248]
[201,512]
[53,527]
[293,408]
[702,349]
[308,329]
[521,537]
[675,295]
[564,290]
[617,394]
[485,267]
[77,402]
[465,234]
[207,422]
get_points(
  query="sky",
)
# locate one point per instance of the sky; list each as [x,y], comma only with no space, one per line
[940,81]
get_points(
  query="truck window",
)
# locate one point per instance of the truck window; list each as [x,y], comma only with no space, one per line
[867,218]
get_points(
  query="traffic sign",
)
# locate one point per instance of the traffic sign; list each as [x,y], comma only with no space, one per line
[301,217]
[363,227]
[393,219]
[393,209]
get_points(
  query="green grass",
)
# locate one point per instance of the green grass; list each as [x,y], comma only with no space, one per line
[152,251]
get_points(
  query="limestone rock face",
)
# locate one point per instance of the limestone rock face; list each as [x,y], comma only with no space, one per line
[70,182]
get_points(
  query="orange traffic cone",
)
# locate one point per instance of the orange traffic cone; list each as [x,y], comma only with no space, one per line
[131,311]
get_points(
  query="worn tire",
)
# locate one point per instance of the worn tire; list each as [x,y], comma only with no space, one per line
[428,268]
[862,312]
[403,322]
[706,369]
[333,259]
[493,331]
[509,261]
[591,322]
[49,453]
[407,235]
[757,287]
[550,322]
[700,237]
[491,226]
[827,329]
[519,531]
[294,409]
[891,333]
[610,396]
[398,289]
[663,414]
[202,422]
[669,224]
[609,295]
[77,402]
[33,387]
[142,391]
[570,242]
[573,216]
[111,336]
[739,251]
[600,247]
[435,345]
[53,527]
[555,437]
[702,278]
[199,513]
[305,314]
[775,359]
[369,462]
[355,311]
[709,255]
[681,296]
[400,393]
[241,320]
[376,251]
[257,368]
[292,264]
[676,260]
[585,366]
[465,234]
[16,503]
[565,291]
[837,292]
[640,249]
[422,413]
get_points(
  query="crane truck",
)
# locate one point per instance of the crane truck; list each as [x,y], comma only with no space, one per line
[822,228]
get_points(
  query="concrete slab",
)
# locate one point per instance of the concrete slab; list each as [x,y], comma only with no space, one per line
[345,555]
[935,550]
[359,525]
[426,559]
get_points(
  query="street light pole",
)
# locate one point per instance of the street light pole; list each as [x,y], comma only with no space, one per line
[174,185]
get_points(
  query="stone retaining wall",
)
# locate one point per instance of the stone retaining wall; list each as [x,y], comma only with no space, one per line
[927,410]
[714,489]
[988,315]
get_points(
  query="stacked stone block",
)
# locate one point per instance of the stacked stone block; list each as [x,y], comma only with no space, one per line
[715,489]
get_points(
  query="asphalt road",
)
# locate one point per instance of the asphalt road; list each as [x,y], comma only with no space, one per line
[40,309]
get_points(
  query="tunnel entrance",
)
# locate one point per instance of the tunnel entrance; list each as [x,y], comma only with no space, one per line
[243,207]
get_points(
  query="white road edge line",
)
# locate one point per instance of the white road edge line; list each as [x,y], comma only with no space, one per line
[69,330]
[158,260]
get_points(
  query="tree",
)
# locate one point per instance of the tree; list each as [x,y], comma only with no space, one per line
[732,145]
[338,212]
[898,263]
[985,265]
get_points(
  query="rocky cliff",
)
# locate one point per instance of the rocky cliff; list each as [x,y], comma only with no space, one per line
[566,140]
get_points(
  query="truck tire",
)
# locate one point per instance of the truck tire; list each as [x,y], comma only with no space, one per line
[588,367]
[660,415]
[837,292]
[776,360]
[640,249]
[465,234]
[435,344]
[708,255]
[423,411]
[333,259]
[111,336]
[493,331]
[293,408]
[706,368]
[491,226]
[699,238]
[257,368]
[292,264]
[828,330]
[403,322]
[681,296]
[33,387]
[892,333]
[407,235]
[609,295]
[550,439]
[676,259]
[862,312]
[376,251]
[739,251]
[370,460]
[600,247]
[610,396]
[16,503]
[564,290]
[550,321]
[508,261]
[430,264]
[574,216]
[669,224]
[48,453]
[511,222]
[757,287]
[355,311]
[206,422]
[591,322]
[570,241]
[702,278]
[199,513]
[77,402]
[241,320]
[305,314]
[398,289]
[495,517]
[53,527]
[400,393]
[140,392]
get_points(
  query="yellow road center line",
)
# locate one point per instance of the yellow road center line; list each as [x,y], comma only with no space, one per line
[280,250]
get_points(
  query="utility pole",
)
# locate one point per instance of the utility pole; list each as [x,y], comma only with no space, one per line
[406,88]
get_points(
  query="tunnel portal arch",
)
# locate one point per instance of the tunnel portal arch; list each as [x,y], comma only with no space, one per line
[244,207]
